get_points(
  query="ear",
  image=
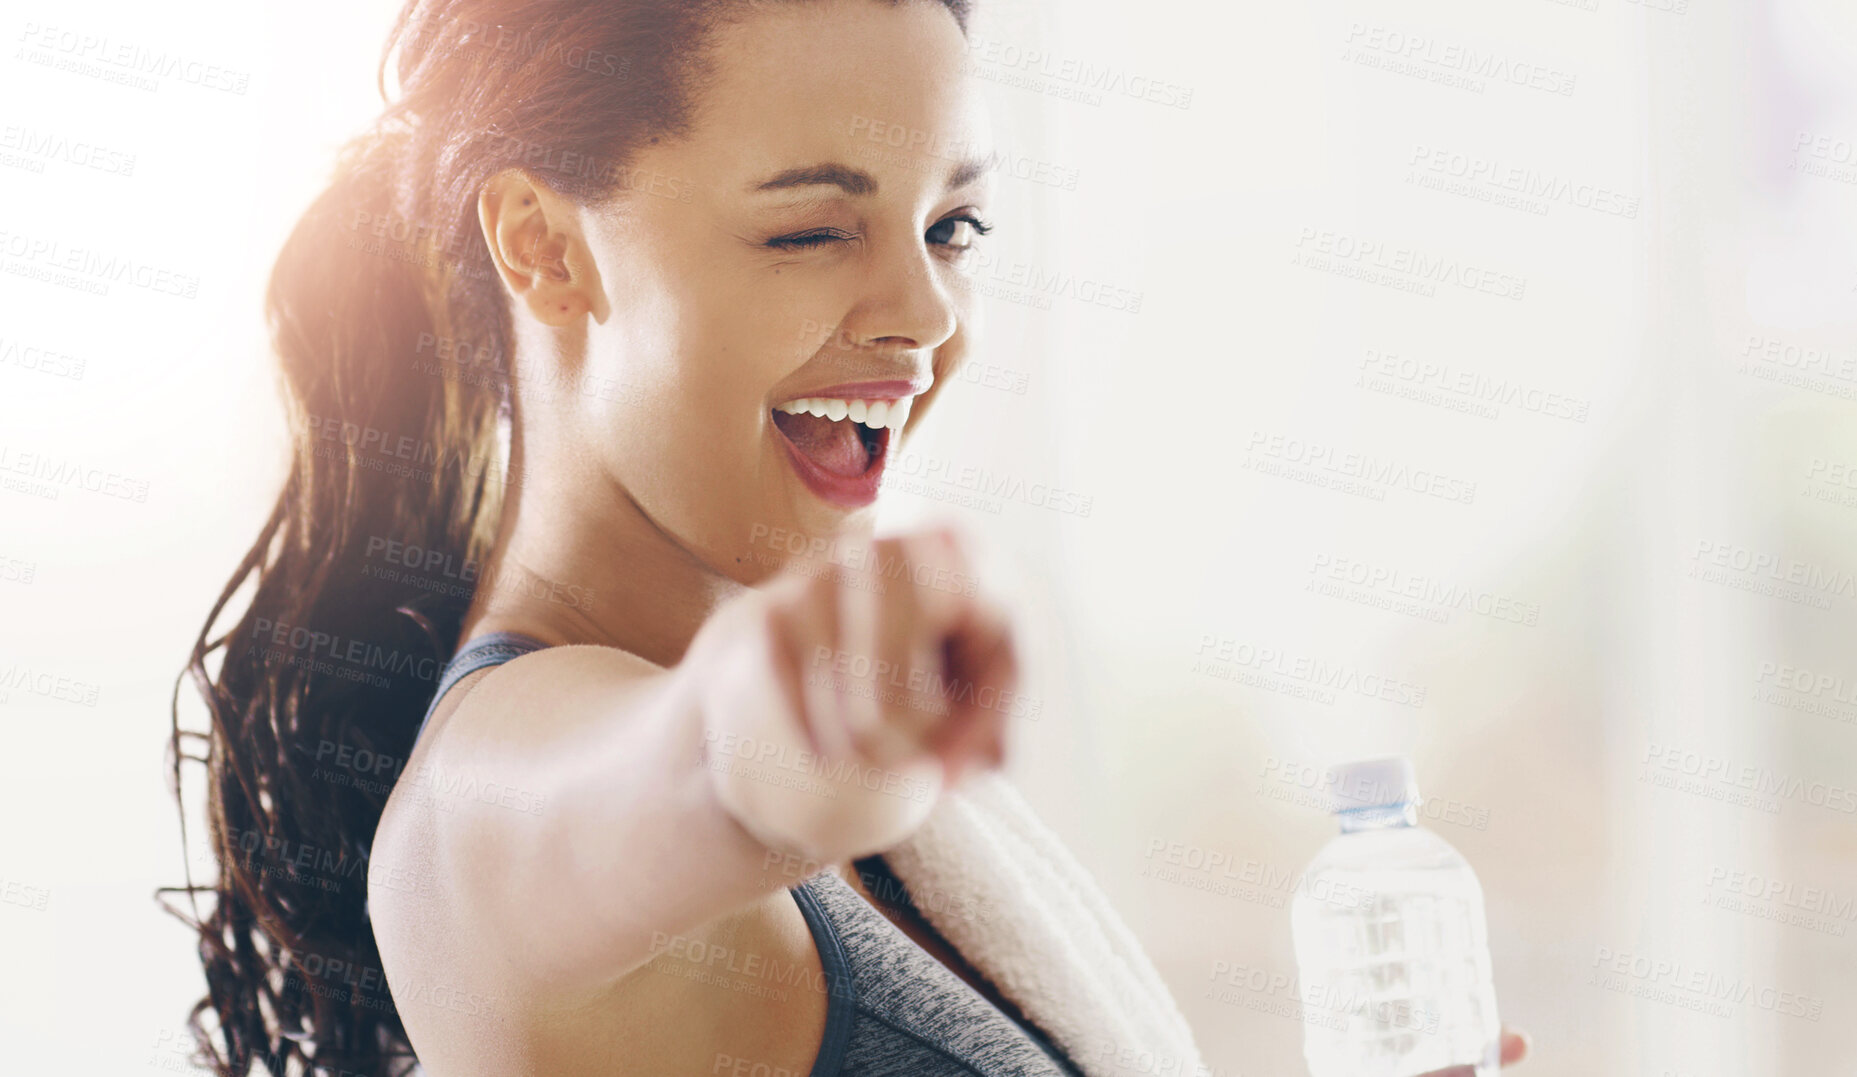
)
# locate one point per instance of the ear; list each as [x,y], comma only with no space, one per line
[535,240]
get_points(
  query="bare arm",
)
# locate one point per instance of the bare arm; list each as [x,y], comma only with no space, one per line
[606,830]
[565,832]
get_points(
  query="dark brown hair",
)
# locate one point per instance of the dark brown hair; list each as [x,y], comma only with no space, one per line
[392,334]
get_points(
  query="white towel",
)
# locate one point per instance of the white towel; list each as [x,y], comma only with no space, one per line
[1028,916]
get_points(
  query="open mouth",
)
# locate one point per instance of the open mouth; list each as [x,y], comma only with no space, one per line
[838,444]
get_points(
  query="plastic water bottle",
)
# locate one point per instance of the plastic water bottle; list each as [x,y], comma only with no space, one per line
[1391,946]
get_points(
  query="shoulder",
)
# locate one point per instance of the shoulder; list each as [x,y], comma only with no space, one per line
[503,711]
[742,985]
[489,729]
[552,684]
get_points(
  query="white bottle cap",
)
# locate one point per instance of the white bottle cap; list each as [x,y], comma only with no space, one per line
[1373,783]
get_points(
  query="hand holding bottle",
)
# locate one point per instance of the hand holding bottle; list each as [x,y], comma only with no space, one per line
[1514,1048]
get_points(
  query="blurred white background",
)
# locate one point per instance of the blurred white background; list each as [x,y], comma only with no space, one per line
[1472,380]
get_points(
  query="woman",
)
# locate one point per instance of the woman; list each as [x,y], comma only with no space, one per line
[609,308]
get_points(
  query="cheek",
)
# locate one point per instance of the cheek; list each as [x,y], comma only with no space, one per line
[686,412]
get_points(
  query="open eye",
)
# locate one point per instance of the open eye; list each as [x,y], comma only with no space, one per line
[958,233]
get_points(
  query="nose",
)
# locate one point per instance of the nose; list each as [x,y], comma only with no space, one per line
[906,302]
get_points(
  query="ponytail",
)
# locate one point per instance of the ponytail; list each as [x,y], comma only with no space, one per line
[323,679]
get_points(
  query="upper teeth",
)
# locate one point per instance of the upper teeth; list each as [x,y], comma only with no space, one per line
[876,414]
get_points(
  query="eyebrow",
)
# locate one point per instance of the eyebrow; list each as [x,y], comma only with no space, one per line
[857,182]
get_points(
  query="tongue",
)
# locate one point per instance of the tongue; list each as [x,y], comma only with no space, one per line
[834,446]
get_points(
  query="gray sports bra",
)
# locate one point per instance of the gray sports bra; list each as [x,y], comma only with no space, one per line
[892,1009]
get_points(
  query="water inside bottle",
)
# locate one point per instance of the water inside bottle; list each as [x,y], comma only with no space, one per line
[1393,957]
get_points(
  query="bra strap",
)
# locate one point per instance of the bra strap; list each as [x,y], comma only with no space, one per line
[490,649]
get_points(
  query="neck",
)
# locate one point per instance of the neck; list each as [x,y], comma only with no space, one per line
[576,560]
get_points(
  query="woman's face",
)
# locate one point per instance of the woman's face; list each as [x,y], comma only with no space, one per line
[805,242]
